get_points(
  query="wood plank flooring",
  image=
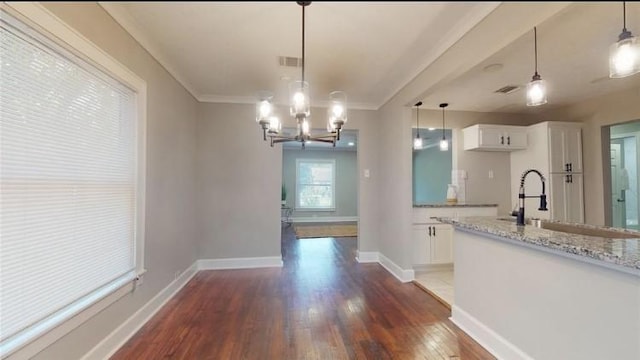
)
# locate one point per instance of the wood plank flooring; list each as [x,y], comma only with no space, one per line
[320,305]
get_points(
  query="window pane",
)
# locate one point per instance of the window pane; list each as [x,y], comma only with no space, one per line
[316,196]
[315,173]
[315,184]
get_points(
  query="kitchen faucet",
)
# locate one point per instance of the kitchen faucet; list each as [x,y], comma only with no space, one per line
[521,196]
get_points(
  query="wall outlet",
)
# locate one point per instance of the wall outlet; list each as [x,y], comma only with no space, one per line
[367,173]
[490,174]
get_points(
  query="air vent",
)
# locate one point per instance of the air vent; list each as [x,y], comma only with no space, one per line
[508,89]
[289,61]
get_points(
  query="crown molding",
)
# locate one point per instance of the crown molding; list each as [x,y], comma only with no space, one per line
[122,17]
[210,98]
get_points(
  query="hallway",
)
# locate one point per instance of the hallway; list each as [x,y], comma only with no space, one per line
[320,305]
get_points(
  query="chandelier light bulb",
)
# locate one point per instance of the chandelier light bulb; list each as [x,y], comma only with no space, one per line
[274,125]
[305,126]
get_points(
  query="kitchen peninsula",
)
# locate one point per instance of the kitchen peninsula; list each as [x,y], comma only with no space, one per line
[525,292]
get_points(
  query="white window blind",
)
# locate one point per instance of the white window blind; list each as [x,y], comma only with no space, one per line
[67,184]
[315,184]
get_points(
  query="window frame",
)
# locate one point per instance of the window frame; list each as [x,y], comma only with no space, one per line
[49,27]
[333,184]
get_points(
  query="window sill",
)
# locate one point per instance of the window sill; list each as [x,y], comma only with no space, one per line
[315,209]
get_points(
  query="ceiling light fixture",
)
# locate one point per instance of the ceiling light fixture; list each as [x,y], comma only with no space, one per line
[300,109]
[417,142]
[624,55]
[444,144]
[537,88]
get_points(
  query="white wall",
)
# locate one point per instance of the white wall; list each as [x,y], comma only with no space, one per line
[346,176]
[170,244]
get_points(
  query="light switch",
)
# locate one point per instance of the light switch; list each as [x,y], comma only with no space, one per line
[490,174]
[367,174]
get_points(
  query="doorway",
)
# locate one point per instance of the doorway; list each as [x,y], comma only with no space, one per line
[624,156]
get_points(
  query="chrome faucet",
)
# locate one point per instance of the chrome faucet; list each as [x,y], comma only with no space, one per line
[521,196]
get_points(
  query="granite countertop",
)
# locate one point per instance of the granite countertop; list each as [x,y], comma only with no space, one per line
[620,254]
[452,205]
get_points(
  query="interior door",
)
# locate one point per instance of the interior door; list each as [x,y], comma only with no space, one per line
[617,194]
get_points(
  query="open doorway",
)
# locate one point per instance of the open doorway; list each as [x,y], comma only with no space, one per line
[320,188]
[624,163]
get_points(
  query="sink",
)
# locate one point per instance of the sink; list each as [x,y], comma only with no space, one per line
[576,229]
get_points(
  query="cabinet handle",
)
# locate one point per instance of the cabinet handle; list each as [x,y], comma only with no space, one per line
[434,231]
[501,140]
[566,179]
[508,140]
[429,230]
[566,167]
[570,166]
[570,179]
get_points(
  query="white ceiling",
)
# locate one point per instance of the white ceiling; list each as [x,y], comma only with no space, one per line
[227,51]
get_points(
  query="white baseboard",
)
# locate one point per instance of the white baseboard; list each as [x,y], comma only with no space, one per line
[118,337]
[367,257]
[239,263]
[400,273]
[321,219]
[489,339]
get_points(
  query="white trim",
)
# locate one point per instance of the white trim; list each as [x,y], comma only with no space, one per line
[226,99]
[118,337]
[487,338]
[122,17]
[323,219]
[239,263]
[364,257]
[400,273]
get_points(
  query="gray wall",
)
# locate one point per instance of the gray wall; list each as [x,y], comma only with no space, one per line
[239,182]
[170,243]
[346,186]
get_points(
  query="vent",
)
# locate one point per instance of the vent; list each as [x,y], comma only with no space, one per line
[507,89]
[289,61]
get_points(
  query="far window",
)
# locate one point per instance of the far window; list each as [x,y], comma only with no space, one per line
[315,184]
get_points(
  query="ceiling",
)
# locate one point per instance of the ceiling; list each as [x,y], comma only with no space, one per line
[375,51]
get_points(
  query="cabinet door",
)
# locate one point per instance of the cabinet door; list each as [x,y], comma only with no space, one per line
[442,244]
[516,139]
[557,197]
[421,245]
[573,148]
[575,199]
[491,137]
[557,150]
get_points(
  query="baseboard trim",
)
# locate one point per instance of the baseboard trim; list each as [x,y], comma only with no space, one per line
[487,338]
[364,257]
[239,263]
[323,219]
[400,273]
[118,337]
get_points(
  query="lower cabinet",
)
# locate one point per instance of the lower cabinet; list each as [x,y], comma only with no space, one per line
[433,244]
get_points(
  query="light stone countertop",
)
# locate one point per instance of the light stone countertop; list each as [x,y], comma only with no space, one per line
[452,205]
[620,254]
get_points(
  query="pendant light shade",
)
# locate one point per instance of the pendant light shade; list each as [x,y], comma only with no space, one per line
[537,88]
[624,55]
[444,144]
[417,142]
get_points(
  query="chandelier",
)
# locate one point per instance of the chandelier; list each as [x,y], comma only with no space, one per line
[300,109]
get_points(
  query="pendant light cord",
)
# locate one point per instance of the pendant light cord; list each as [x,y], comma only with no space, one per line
[303,6]
[418,104]
[443,138]
[535,47]
[624,16]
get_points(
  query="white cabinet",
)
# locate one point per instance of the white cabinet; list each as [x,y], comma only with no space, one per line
[495,137]
[555,149]
[565,149]
[433,244]
[566,199]
[433,241]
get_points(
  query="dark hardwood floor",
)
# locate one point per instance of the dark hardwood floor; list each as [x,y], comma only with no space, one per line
[320,305]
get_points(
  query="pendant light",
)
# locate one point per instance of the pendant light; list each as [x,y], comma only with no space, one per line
[444,144]
[417,142]
[537,88]
[624,55]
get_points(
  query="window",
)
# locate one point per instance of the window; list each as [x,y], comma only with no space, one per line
[315,184]
[71,184]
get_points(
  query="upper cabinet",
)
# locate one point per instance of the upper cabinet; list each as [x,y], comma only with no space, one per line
[495,137]
[565,148]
